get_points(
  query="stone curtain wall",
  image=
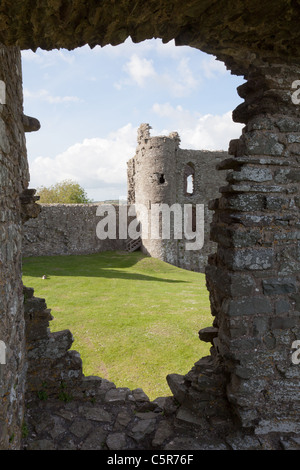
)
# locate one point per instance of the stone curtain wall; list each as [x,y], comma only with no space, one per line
[66,229]
[14,180]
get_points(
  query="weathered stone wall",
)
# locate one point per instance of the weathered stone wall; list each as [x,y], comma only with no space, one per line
[253,278]
[66,410]
[156,175]
[13,181]
[66,229]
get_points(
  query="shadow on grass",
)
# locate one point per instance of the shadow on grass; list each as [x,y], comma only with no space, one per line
[108,265]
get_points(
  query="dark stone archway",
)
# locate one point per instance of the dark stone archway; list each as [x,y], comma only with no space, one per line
[236,30]
[250,377]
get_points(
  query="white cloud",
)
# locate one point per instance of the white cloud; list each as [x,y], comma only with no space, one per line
[48,58]
[99,165]
[30,56]
[210,132]
[139,69]
[181,83]
[213,67]
[142,72]
[185,73]
[45,95]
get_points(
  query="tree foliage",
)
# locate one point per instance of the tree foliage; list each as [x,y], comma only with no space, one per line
[65,192]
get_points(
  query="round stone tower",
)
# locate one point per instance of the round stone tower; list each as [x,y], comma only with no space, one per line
[153,170]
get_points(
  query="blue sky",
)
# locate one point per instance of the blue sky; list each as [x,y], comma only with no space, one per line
[91,102]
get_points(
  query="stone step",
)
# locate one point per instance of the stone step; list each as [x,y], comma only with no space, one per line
[133,245]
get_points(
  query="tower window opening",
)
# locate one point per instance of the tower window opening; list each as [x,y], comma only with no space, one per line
[189,175]
[190,184]
[162,179]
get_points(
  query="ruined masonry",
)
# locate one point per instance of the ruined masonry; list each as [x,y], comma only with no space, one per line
[245,394]
[163,174]
[157,175]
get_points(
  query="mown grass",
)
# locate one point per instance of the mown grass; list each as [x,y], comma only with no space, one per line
[134,319]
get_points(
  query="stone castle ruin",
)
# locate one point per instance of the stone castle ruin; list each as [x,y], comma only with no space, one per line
[245,394]
[157,175]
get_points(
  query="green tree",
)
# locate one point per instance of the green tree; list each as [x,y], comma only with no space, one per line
[65,192]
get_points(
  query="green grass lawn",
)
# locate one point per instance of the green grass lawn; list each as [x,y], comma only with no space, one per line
[134,319]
